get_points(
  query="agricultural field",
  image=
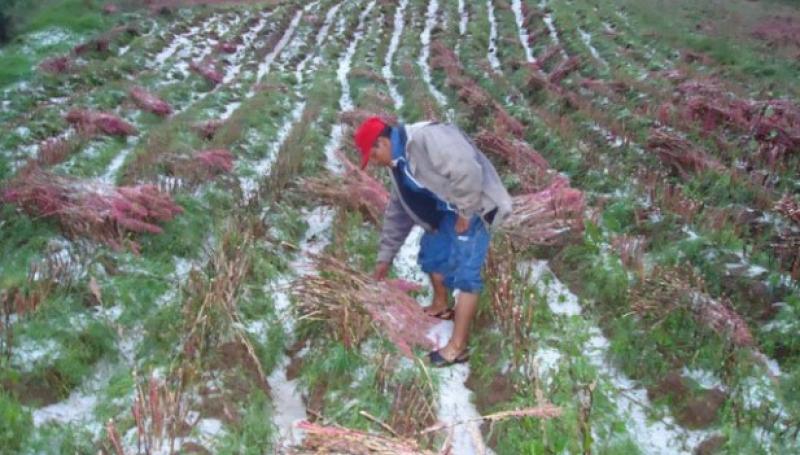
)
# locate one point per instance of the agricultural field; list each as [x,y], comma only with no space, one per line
[187,241]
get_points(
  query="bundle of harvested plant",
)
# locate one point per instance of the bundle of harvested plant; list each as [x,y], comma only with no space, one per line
[789,207]
[548,55]
[605,87]
[201,166]
[719,316]
[227,47]
[207,70]
[776,123]
[547,217]
[333,439]
[91,209]
[631,251]
[666,290]
[443,58]
[149,102]
[564,69]
[714,112]
[479,102]
[56,65]
[680,154]
[91,122]
[526,162]
[356,190]
[208,129]
[56,149]
[349,302]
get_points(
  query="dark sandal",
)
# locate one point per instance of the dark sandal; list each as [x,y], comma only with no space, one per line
[446,315]
[438,361]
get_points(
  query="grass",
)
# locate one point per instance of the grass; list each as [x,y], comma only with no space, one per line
[16,423]
[79,17]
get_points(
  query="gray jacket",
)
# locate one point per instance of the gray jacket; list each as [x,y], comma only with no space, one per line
[444,160]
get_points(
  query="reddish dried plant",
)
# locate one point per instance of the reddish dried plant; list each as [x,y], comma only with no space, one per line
[227,47]
[778,31]
[789,207]
[56,65]
[667,290]
[548,55]
[551,216]
[114,438]
[157,413]
[351,302]
[91,209]
[55,150]
[512,305]
[356,190]
[564,69]
[631,251]
[149,102]
[680,154]
[201,166]
[93,122]
[335,439]
[209,128]
[478,101]
[208,70]
[526,162]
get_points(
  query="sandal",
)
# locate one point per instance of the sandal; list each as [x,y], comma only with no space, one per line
[437,360]
[446,314]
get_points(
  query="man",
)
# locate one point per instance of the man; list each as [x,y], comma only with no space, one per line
[443,183]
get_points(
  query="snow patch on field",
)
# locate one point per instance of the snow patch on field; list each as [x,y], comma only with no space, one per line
[345,100]
[586,37]
[288,403]
[424,55]
[263,166]
[653,437]
[559,298]
[516,6]
[463,15]
[492,54]
[454,405]
[265,66]
[393,43]
[110,175]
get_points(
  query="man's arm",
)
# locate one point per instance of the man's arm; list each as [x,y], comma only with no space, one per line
[396,226]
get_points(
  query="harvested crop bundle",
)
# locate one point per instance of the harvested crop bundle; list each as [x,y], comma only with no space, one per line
[149,102]
[208,71]
[92,209]
[334,439]
[208,129]
[680,154]
[526,162]
[91,122]
[667,290]
[56,65]
[349,302]
[547,217]
[356,190]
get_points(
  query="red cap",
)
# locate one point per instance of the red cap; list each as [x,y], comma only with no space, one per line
[366,135]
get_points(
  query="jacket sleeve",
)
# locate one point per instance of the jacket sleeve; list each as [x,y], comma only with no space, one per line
[396,226]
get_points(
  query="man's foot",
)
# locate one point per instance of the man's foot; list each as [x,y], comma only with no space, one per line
[439,309]
[439,358]
[447,314]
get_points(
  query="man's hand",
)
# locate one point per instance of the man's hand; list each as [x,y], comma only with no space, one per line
[381,270]
[462,224]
